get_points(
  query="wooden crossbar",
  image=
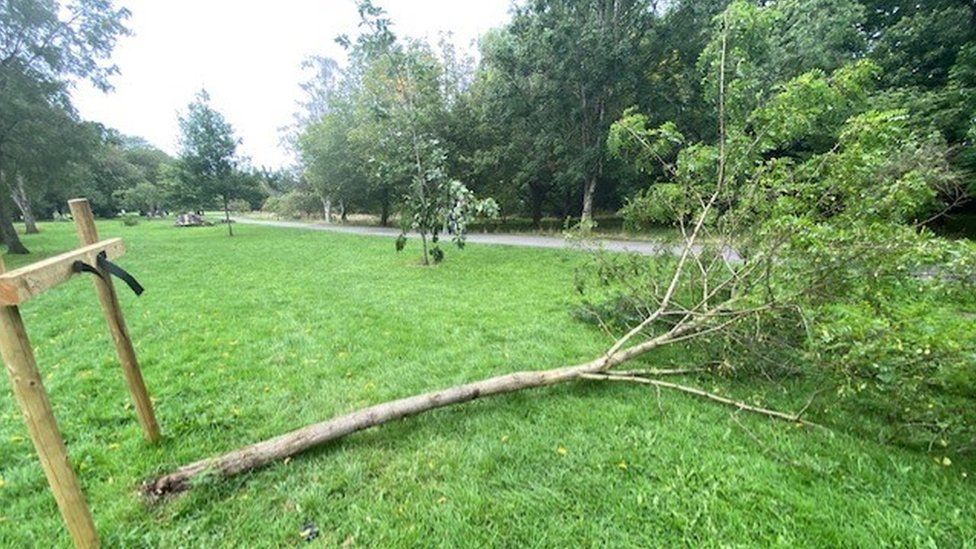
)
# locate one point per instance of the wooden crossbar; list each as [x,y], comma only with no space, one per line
[27,282]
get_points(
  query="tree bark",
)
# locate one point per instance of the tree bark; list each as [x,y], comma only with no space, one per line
[423,238]
[20,197]
[230,227]
[538,196]
[8,233]
[384,209]
[7,230]
[589,188]
[262,453]
[326,208]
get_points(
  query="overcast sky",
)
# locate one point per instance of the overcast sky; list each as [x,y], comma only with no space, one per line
[247,54]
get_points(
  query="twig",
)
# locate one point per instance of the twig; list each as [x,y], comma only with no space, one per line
[657,372]
[792,418]
[809,402]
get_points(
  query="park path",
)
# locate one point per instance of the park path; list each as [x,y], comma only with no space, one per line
[527,240]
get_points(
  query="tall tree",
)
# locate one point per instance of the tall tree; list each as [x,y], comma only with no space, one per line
[330,162]
[332,166]
[399,106]
[577,59]
[320,90]
[403,100]
[44,146]
[44,45]
[920,48]
[671,86]
[208,157]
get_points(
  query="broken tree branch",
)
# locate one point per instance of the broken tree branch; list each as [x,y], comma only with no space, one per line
[657,373]
[793,418]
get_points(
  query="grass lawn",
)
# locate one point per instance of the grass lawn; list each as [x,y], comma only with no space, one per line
[244,338]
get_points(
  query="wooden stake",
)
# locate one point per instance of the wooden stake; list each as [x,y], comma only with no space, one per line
[36,408]
[87,234]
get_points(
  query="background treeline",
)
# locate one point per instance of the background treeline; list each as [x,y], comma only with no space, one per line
[48,154]
[527,123]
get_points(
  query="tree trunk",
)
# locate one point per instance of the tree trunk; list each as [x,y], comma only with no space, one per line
[19,195]
[567,208]
[326,208]
[586,217]
[7,230]
[262,453]
[538,196]
[423,238]
[342,211]
[230,226]
[384,209]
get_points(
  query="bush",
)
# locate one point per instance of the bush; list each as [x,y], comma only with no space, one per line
[271,204]
[130,219]
[239,206]
[293,204]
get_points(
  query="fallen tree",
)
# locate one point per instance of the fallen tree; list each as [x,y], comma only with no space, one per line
[295,442]
[804,238]
[696,302]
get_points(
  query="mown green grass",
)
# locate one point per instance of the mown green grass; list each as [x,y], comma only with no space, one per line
[244,338]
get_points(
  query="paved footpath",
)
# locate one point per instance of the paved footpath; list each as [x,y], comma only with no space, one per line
[528,240]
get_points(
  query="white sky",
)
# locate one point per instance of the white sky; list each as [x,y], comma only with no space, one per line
[247,54]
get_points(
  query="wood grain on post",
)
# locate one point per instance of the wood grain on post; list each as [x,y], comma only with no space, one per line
[39,417]
[85,223]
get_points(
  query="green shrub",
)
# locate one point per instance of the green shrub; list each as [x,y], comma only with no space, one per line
[130,219]
[271,204]
[294,204]
[239,206]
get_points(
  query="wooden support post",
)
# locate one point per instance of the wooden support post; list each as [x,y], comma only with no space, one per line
[18,356]
[85,223]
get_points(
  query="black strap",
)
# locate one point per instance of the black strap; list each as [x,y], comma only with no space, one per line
[115,270]
[111,268]
[82,267]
